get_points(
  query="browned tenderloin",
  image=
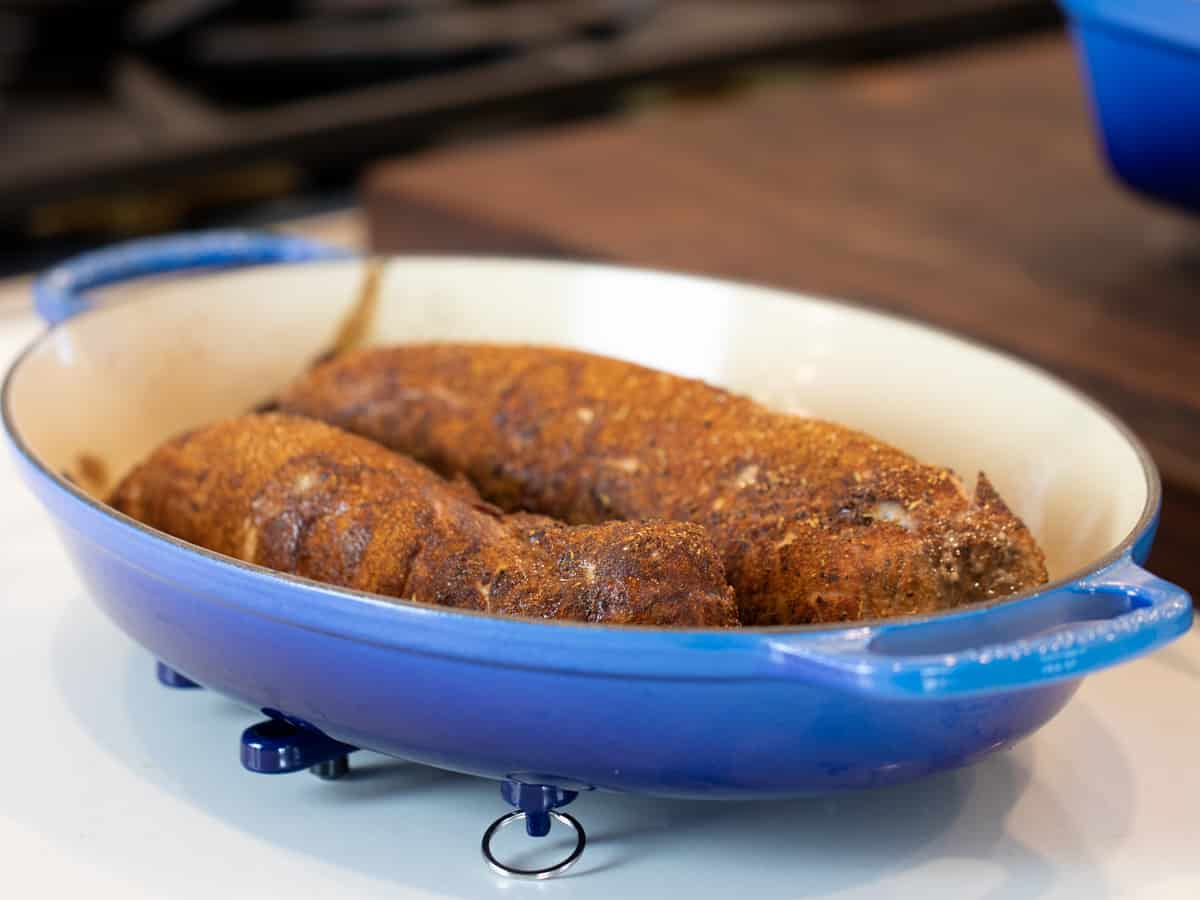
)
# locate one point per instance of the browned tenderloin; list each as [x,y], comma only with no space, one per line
[814,522]
[302,497]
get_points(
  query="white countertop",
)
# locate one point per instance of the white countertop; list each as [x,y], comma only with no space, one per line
[115,787]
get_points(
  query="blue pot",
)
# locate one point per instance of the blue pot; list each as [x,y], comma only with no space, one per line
[1141,59]
[767,712]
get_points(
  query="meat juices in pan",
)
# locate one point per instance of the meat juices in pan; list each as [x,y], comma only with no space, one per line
[814,522]
[302,497]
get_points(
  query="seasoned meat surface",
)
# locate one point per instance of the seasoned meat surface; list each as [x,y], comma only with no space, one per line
[303,497]
[814,522]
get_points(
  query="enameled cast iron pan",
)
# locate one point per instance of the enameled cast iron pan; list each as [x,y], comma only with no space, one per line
[557,708]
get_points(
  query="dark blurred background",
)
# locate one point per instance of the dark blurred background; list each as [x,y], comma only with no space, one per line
[121,118]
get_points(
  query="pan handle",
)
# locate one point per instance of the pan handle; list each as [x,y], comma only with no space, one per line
[61,292]
[1119,613]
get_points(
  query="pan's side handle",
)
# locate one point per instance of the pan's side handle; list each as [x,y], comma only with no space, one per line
[61,292]
[1114,616]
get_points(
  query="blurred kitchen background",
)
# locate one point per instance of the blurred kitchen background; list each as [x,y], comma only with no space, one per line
[125,117]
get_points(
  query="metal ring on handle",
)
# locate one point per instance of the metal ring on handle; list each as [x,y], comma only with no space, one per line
[520,815]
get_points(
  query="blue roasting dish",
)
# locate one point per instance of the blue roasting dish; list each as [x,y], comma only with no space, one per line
[766,712]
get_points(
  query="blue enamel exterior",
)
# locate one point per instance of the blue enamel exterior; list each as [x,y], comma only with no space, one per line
[751,712]
[1142,63]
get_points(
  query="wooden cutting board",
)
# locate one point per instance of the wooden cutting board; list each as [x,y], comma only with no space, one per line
[963,189]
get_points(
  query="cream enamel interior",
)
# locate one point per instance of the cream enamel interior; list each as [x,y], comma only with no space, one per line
[114,383]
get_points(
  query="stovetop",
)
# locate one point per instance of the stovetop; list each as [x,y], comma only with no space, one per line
[115,786]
